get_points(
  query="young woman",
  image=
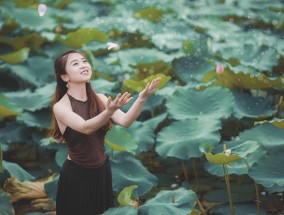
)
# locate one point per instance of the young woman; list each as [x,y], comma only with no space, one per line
[81,118]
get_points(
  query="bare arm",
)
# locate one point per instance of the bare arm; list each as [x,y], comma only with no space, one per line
[126,119]
[66,116]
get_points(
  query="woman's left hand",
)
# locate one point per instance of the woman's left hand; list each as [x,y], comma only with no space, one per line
[149,89]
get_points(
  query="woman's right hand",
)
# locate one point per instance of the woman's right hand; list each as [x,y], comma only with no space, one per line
[118,102]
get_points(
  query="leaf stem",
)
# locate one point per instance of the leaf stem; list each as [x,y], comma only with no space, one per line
[257,198]
[195,174]
[227,180]
[200,206]
[279,107]
[184,171]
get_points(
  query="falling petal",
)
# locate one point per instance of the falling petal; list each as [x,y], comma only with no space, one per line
[219,68]
[114,46]
[42,9]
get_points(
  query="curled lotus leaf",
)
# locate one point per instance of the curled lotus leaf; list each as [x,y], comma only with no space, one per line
[275,121]
[219,158]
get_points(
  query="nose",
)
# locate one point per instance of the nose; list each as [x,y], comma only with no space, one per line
[82,65]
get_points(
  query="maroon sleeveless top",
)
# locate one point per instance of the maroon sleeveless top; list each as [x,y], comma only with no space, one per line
[86,150]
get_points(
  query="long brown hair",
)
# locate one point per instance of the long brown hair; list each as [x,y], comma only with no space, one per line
[95,108]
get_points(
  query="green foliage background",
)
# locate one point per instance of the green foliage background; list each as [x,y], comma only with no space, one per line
[181,42]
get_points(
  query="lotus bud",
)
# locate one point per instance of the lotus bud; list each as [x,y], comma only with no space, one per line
[42,9]
[113,46]
[228,152]
[219,69]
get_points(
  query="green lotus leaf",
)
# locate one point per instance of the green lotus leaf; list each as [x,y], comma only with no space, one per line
[30,100]
[101,68]
[240,209]
[36,74]
[34,213]
[143,132]
[260,5]
[13,132]
[120,139]
[245,194]
[8,108]
[146,69]
[23,41]
[214,26]
[127,170]
[143,135]
[124,197]
[274,189]
[29,18]
[61,154]
[269,136]
[275,121]
[16,57]
[169,40]
[153,14]
[82,37]
[243,80]
[128,210]
[122,23]
[39,119]
[153,102]
[17,171]
[138,86]
[102,86]
[76,14]
[261,57]
[191,68]
[182,139]
[51,188]
[180,201]
[249,106]
[208,104]
[155,121]
[134,56]
[6,207]
[268,171]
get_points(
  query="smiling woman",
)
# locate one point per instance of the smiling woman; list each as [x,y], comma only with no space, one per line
[82,118]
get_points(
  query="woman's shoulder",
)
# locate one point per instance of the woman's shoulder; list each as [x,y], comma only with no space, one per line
[62,103]
[102,96]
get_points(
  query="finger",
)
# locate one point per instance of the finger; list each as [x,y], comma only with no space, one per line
[108,101]
[117,98]
[147,86]
[155,83]
[128,100]
[124,95]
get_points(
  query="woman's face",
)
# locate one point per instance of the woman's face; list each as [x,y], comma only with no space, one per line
[78,68]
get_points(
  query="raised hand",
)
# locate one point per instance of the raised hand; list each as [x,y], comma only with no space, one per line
[149,89]
[118,102]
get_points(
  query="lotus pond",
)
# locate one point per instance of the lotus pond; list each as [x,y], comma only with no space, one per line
[209,141]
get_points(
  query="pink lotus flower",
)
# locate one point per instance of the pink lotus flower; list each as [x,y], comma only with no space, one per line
[219,69]
[42,9]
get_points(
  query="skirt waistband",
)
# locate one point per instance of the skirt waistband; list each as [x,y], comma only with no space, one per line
[70,166]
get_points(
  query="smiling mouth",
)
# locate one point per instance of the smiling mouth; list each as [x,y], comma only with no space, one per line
[84,72]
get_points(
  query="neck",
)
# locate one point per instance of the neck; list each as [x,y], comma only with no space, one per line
[78,91]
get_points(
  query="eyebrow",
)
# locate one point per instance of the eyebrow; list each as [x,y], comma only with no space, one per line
[77,60]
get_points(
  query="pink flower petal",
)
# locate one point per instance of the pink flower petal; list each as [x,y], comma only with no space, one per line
[219,68]
[42,9]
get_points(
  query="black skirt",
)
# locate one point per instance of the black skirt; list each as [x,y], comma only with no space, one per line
[84,191]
